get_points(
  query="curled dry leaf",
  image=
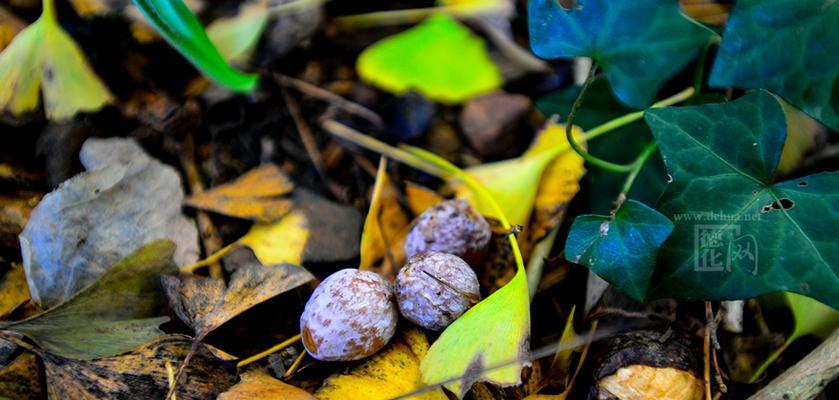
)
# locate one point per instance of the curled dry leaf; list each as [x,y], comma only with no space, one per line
[92,221]
[205,303]
[253,196]
[390,373]
[142,373]
[385,228]
[258,384]
[112,316]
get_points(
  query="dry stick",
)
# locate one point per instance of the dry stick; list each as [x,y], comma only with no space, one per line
[806,379]
[329,97]
[256,357]
[309,142]
[295,365]
[706,347]
[209,235]
[174,385]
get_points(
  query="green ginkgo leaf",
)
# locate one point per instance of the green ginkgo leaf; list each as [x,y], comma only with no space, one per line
[236,37]
[182,30]
[639,44]
[788,47]
[421,58]
[43,57]
[738,233]
[620,248]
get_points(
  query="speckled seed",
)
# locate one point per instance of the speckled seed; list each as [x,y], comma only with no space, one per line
[350,315]
[452,226]
[434,289]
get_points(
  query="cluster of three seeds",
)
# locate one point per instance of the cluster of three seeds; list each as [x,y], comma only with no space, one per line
[351,314]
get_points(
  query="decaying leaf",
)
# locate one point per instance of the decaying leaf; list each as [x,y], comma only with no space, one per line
[112,316]
[14,290]
[78,231]
[254,195]
[21,379]
[43,56]
[412,60]
[259,384]
[385,228]
[390,373]
[205,303]
[142,373]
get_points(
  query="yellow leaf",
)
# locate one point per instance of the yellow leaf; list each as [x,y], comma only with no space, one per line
[236,37]
[14,290]
[493,333]
[515,183]
[251,196]
[43,56]
[562,358]
[260,385]
[390,373]
[385,227]
[801,138]
[279,242]
[420,198]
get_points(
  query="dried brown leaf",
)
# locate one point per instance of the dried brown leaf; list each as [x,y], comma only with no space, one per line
[142,373]
[253,196]
[206,303]
[259,384]
[14,290]
[21,379]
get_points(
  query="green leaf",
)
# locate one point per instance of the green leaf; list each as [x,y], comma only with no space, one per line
[183,31]
[811,317]
[420,58]
[639,44]
[43,56]
[790,48]
[622,145]
[622,248]
[738,234]
[113,315]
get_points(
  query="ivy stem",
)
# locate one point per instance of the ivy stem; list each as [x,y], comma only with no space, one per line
[770,360]
[637,166]
[569,129]
[699,75]
[256,357]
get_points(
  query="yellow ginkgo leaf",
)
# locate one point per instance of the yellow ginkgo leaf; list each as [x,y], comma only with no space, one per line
[392,372]
[515,183]
[43,56]
[420,198]
[280,242]
[260,385]
[385,227]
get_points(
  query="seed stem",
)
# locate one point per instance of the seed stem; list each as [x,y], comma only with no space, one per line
[256,357]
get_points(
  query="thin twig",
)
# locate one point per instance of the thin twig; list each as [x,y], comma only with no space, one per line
[256,357]
[174,385]
[706,348]
[295,365]
[329,97]
[209,235]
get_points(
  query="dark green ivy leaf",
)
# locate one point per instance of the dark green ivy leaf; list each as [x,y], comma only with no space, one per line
[738,234]
[622,145]
[182,30]
[639,44]
[788,47]
[622,248]
[111,316]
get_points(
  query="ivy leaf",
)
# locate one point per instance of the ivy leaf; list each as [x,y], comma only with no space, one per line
[622,248]
[182,30]
[113,315]
[738,234]
[790,48]
[44,57]
[639,44]
[415,59]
